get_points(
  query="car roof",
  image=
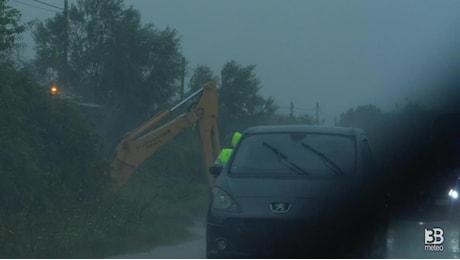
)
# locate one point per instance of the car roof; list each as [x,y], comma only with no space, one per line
[305,128]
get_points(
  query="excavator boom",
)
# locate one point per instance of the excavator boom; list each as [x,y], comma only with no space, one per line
[140,143]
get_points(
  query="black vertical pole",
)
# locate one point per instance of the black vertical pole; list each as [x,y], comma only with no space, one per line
[182,80]
[66,45]
[317,108]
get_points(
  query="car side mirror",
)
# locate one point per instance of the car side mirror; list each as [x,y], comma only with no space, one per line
[216,169]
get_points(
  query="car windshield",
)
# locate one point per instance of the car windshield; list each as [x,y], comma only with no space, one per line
[253,158]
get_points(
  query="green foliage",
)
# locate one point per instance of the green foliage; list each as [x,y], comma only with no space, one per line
[411,107]
[410,124]
[239,92]
[51,164]
[54,177]
[371,118]
[50,48]
[270,107]
[284,119]
[360,115]
[10,29]
[240,102]
[202,74]
[10,32]
[176,175]
[168,192]
[113,59]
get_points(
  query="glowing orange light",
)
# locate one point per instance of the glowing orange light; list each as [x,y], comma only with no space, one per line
[54,90]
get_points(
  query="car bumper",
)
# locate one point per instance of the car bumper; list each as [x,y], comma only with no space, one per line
[268,238]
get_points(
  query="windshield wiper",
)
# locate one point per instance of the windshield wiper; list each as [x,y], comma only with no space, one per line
[285,160]
[330,164]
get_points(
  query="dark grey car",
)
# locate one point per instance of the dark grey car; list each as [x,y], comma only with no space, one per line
[293,191]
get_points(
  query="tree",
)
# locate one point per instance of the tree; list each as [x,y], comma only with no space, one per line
[361,116]
[201,75]
[239,91]
[277,119]
[371,119]
[10,29]
[50,49]
[411,107]
[51,163]
[270,106]
[113,60]
[240,102]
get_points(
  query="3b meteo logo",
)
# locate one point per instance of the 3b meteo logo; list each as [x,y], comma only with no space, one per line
[434,237]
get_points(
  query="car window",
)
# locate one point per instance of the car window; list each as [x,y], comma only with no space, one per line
[253,157]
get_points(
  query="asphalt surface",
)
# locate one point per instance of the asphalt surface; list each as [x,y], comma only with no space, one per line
[406,239]
[194,249]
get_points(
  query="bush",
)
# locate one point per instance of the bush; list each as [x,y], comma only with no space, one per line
[51,164]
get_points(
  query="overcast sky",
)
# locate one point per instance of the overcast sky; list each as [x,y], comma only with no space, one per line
[338,53]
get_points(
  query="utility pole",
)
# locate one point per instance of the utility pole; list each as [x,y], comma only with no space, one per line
[292,110]
[317,109]
[182,80]
[66,45]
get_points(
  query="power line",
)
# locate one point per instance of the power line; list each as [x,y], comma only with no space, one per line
[297,108]
[49,10]
[304,109]
[50,5]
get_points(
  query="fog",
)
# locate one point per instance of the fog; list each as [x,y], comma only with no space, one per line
[335,54]
[338,53]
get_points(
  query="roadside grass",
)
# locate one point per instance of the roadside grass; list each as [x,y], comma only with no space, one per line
[133,238]
[152,210]
[155,208]
[167,194]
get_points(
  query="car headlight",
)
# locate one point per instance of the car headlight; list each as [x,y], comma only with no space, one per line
[453,194]
[222,201]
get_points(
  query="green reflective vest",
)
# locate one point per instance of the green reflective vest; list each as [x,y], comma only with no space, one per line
[225,153]
[224,156]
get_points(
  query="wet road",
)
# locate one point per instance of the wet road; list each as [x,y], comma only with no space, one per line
[194,249]
[406,239]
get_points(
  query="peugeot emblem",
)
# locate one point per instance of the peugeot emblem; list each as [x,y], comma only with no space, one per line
[280,207]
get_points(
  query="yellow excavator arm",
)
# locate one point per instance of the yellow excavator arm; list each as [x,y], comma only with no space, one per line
[140,143]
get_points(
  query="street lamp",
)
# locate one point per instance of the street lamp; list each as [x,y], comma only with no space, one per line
[54,89]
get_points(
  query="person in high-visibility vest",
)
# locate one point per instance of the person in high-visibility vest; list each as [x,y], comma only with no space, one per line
[224,155]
